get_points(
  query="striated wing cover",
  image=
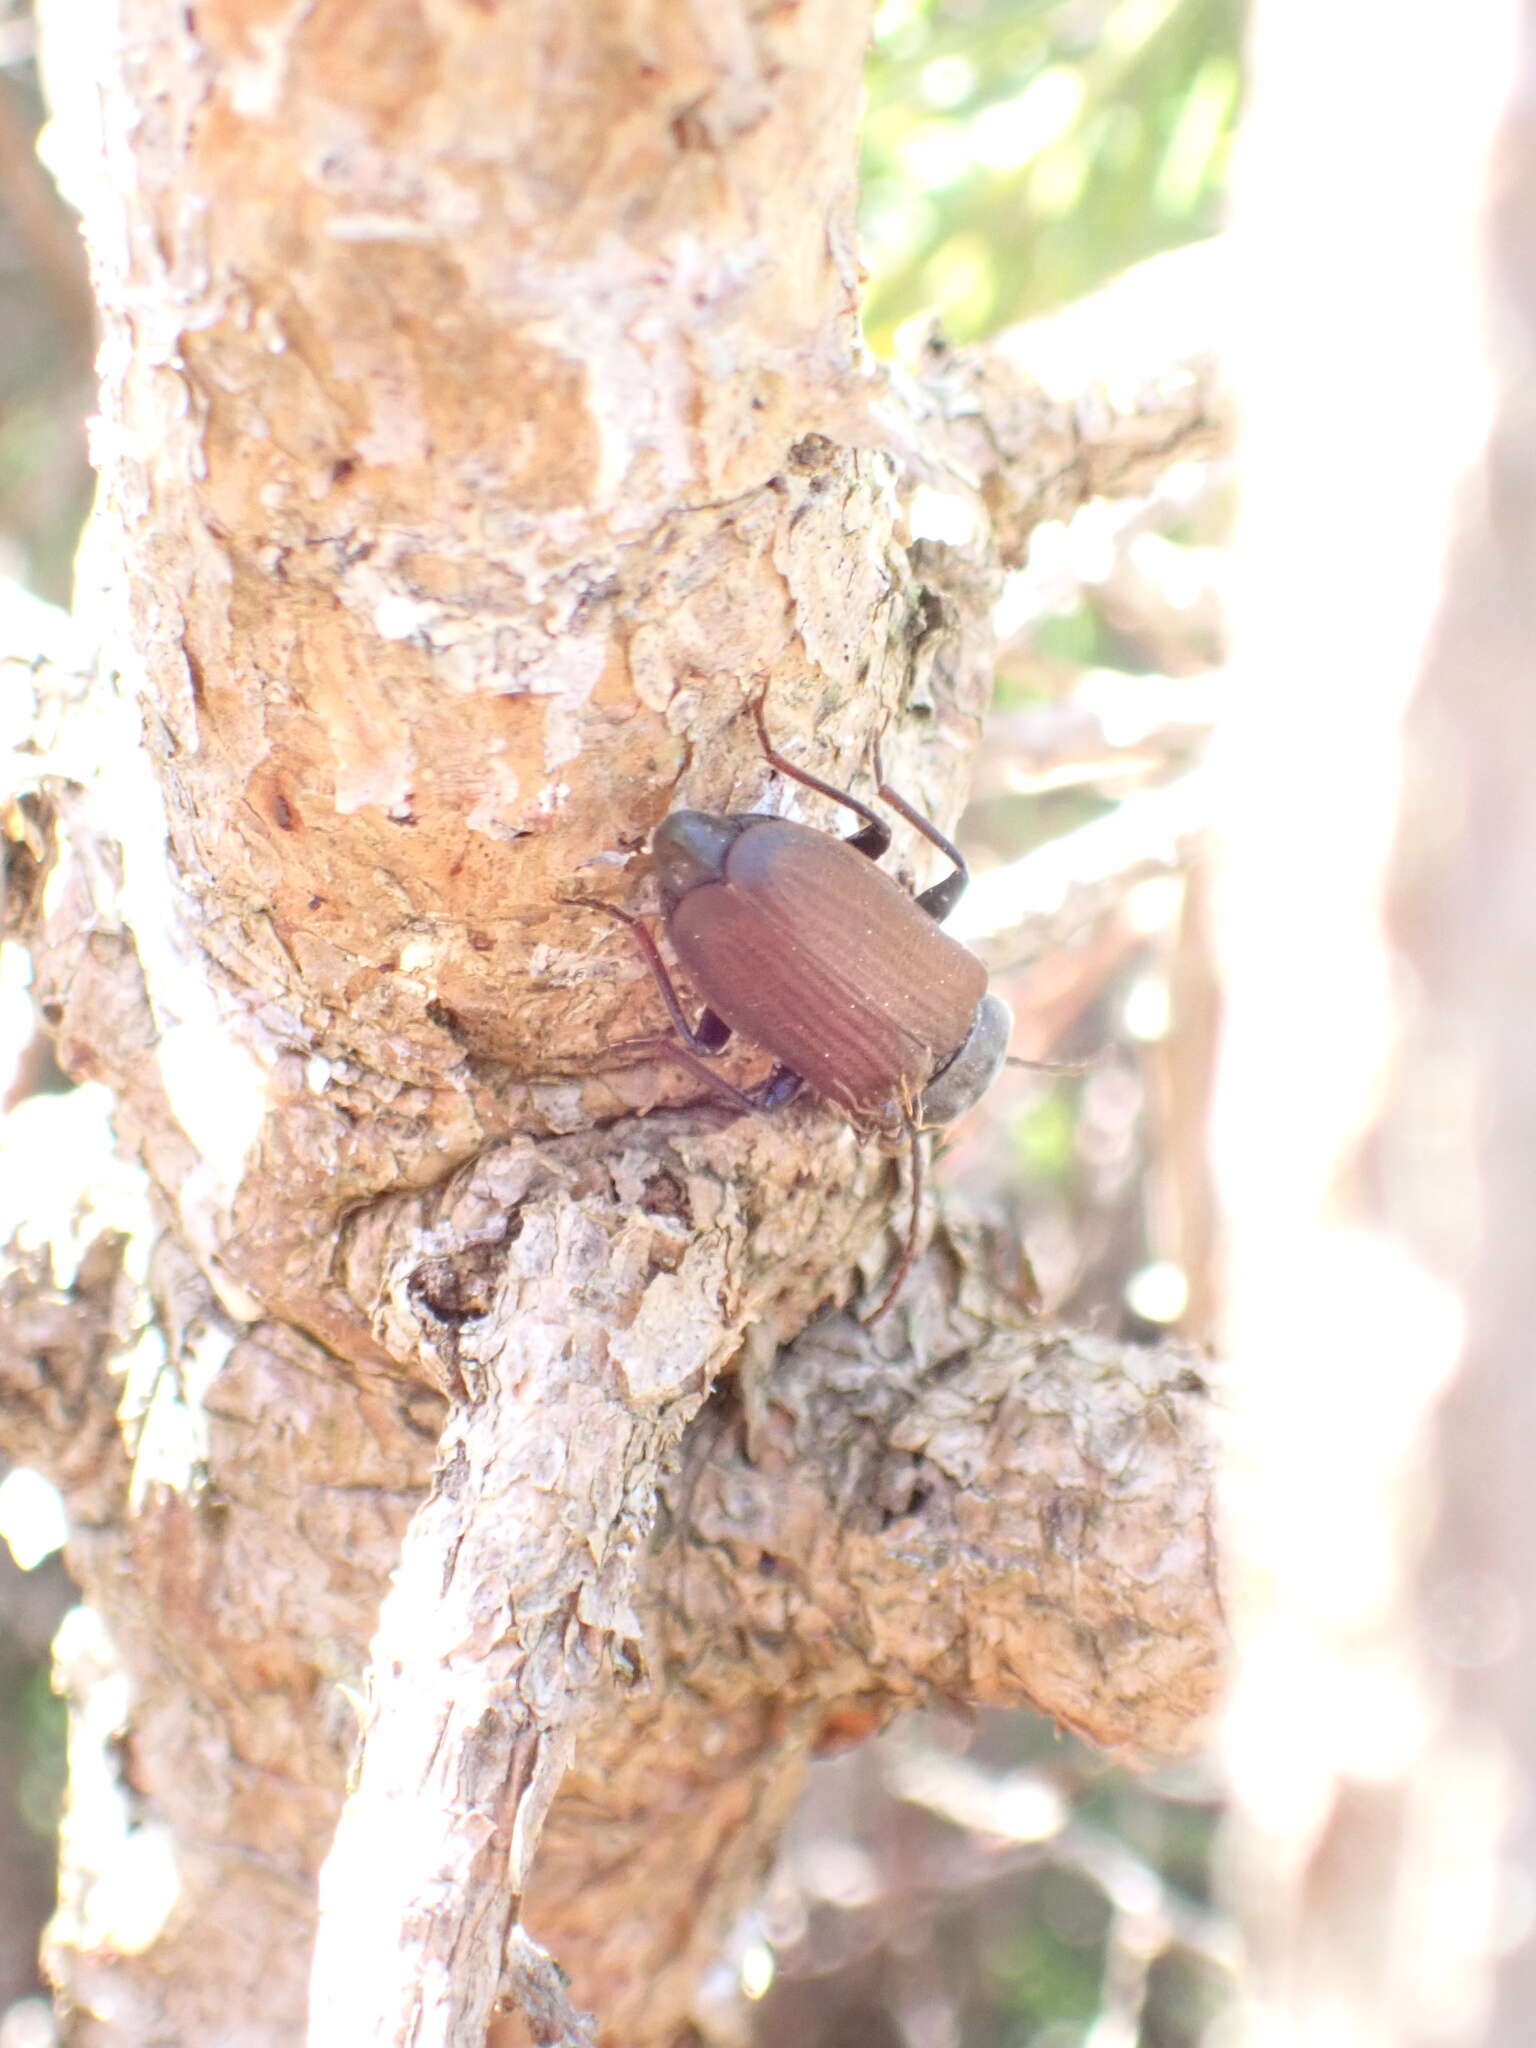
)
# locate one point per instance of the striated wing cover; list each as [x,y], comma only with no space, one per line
[812,952]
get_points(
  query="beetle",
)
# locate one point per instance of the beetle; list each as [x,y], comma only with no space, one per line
[798,941]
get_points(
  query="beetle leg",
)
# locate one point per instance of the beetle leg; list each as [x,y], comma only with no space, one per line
[941,899]
[695,1043]
[685,1056]
[875,837]
[762,1100]
[710,1034]
[909,1249]
[779,1090]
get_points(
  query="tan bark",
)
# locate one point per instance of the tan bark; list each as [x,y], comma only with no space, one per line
[804,1584]
[962,1507]
[482,425]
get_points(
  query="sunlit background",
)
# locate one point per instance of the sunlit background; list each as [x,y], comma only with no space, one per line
[955,1884]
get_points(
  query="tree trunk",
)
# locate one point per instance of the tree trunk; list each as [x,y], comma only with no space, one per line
[483,427]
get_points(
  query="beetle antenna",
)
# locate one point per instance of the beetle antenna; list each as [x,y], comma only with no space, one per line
[909,1249]
[1096,1059]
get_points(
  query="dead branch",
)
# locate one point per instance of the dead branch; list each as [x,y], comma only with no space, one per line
[1110,728]
[1100,400]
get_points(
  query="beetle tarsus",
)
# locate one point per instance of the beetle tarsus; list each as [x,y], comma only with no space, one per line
[738,1098]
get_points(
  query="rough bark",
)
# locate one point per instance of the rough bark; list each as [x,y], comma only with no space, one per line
[963,1507]
[1378,1101]
[805,1580]
[482,425]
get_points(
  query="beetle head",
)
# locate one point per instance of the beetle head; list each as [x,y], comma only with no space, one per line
[689,847]
[967,1077]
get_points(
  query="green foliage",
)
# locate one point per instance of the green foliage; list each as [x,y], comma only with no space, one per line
[1018,152]
[1044,1135]
[1047,1964]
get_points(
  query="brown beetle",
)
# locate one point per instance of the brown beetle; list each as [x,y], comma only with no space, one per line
[798,941]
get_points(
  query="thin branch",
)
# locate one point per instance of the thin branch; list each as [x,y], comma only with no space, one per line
[809,1584]
[549,1309]
[1025,1807]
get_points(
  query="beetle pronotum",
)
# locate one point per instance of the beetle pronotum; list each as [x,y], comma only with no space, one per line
[797,940]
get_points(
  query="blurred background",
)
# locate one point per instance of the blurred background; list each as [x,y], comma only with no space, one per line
[984,1883]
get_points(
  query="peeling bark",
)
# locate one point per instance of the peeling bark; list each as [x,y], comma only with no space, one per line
[482,424]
